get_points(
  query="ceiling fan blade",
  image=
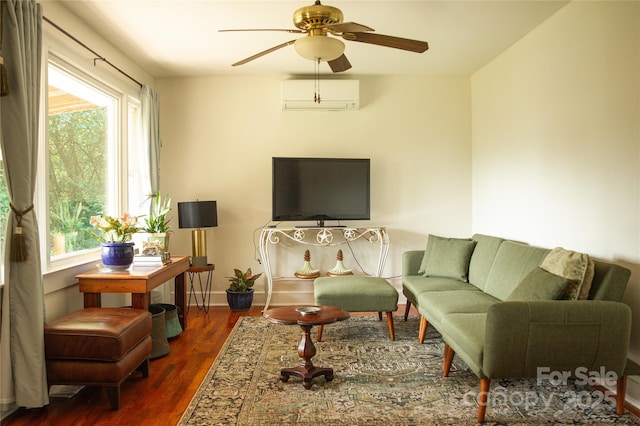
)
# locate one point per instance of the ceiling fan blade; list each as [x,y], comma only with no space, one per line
[388,41]
[257,55]
[347,27]
[340,64]
[264,29]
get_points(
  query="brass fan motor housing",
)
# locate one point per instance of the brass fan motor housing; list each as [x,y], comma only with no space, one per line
[311,17]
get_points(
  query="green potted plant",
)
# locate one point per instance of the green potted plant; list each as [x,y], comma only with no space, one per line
[240,291]
[156,224]
[115,239]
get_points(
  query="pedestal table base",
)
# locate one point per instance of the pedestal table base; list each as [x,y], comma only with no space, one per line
[322,315]
[307,371]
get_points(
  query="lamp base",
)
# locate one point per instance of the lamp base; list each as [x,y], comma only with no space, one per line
[198,260]
[198,247]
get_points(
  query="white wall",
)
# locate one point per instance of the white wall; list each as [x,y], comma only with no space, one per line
[219,134]
[556,140]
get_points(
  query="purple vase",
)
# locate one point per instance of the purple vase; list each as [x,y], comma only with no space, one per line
[117,256]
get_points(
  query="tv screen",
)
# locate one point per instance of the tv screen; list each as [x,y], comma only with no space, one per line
[320,189]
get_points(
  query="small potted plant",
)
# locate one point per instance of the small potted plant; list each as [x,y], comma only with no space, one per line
[156,224]
[115,239]
[240,291]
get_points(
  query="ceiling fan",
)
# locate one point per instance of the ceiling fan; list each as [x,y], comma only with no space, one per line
[317,22]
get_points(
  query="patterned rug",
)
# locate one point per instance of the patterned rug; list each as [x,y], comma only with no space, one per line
[377,382]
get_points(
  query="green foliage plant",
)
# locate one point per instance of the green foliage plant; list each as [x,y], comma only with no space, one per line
[157,222]
[78,164]
[242,281]
[67,218]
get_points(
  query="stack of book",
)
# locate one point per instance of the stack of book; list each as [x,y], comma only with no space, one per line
[151,260]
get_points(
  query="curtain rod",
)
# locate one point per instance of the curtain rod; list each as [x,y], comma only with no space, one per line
[98,56]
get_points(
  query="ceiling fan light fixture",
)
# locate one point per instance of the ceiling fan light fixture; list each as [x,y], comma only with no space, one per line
[321,48]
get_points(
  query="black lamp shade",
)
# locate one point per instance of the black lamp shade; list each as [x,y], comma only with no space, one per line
[197,214]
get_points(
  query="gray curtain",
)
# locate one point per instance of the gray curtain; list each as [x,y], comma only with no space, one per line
[23,373]
[150,117]
[150,114]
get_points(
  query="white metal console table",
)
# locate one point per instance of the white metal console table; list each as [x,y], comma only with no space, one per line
[324,236]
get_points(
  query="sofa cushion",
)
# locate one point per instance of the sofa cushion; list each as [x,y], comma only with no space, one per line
[441,303]
[575,267]
[539,285]
[482,258]
[447,257]
[417,284]
[465,333]
[513,262]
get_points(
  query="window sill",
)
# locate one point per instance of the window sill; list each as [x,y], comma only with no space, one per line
[62,274]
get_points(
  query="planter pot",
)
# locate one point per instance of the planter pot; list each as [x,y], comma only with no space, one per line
[171,320]
[159,343]
[161,238]
[117,256]
[64,242]
[240,301]
[59,244]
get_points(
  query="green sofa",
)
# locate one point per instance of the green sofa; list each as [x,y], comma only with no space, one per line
[484,297]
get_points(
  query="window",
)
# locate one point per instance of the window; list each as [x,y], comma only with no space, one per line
[139,184]
[90,159]
[81,135]
[91,131]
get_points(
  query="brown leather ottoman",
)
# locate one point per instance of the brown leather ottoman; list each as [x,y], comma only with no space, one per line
[98,347]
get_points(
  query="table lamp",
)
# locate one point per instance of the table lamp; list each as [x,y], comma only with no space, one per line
[198,215]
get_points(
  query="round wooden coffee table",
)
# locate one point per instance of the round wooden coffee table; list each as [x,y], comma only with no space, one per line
[288,315]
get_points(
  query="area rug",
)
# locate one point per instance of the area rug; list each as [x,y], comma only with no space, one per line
[377,382]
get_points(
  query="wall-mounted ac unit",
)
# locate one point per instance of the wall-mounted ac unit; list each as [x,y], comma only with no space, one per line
[335,95]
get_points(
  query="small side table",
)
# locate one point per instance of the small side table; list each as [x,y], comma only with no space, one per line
[288,315]
[205,290]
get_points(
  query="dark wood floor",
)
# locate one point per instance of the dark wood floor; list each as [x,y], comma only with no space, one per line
[161,398]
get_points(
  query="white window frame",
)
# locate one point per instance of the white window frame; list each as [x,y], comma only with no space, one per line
[60,272]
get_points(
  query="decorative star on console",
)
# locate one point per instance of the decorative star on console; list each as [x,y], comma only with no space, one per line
[324,237]
[298,235]
[349,234]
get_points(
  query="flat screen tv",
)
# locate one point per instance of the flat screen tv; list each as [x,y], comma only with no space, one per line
[321,189]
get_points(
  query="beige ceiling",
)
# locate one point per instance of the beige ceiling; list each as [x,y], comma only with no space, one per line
[181,38]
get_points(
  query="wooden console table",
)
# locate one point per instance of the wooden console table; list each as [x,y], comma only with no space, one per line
[324,236]
[139,281]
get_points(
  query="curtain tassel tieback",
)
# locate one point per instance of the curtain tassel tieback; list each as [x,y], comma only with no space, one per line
[18,243]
